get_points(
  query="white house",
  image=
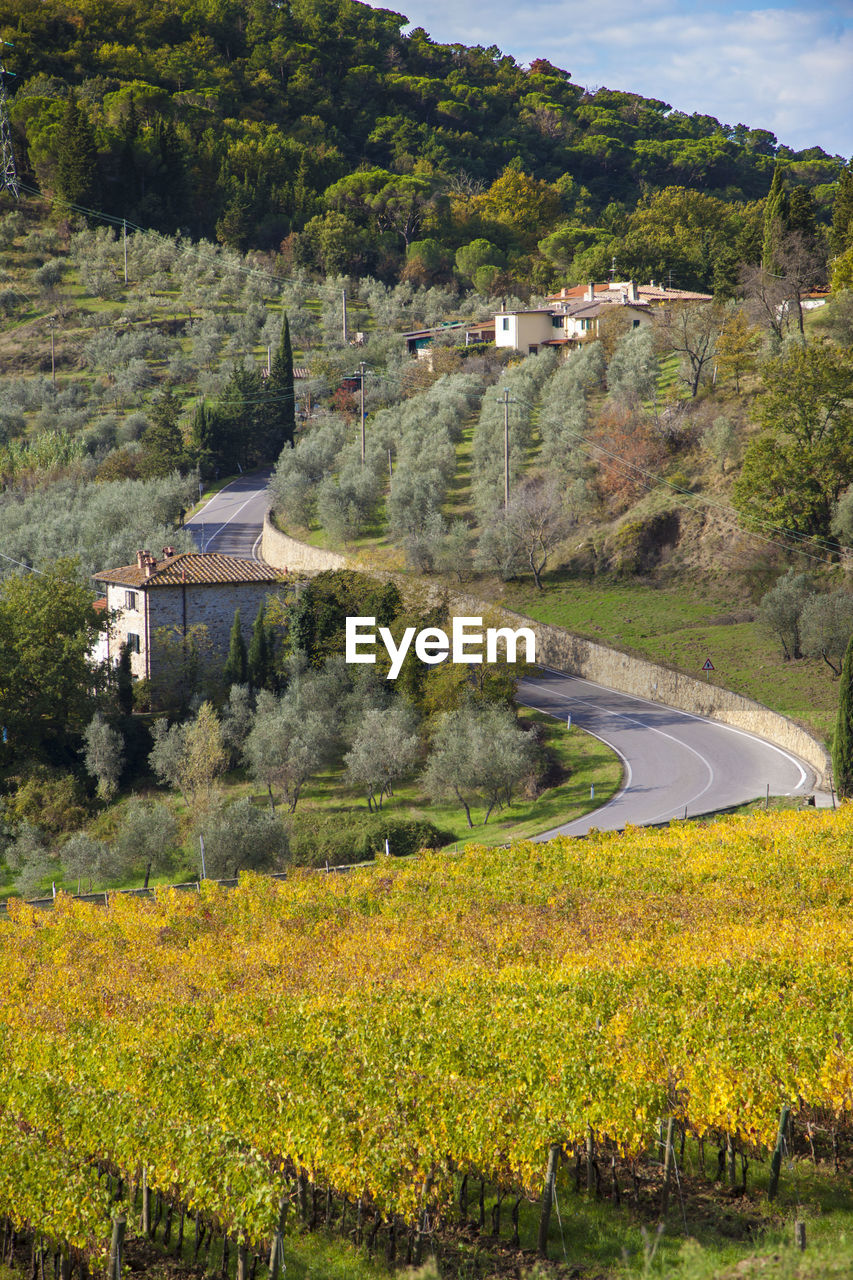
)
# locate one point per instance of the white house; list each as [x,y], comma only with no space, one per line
[575,313]
[180,591]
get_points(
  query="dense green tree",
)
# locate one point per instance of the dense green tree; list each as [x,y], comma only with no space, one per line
[77,167]
[775,222]
[795,470]
[123,676]
[258,663]
[162,443]
[47,630]
[842,212]
[239,121]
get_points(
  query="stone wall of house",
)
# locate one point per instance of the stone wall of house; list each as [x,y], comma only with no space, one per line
[286,553]
[212,606]
[127,621]
[564,651]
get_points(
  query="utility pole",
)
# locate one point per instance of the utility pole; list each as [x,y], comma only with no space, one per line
[52,323]
[124,236]
[363,366]
[506,449]
[344,314]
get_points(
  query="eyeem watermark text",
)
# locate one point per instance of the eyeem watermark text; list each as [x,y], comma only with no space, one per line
[464,644]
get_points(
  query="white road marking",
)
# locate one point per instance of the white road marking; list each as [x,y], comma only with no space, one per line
[213,498]
[620,715]
[213,536]
[691,715]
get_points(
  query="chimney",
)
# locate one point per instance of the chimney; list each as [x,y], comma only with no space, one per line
[150,564]
[633,291]
[168,551]
[140,559]
[651,284]
[590,292]
[624,298]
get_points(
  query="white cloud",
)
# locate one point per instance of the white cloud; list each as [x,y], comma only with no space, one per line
[787,69]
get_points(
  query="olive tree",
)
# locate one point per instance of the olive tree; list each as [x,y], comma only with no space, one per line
[289,741]
[103,755]
[826,625]
[384,749]
[781,607]
[478,753]
[242,837]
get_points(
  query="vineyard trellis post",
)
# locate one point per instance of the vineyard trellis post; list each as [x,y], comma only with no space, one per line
[114,1266]
[547,1199]
[776,1162]
[667,1168]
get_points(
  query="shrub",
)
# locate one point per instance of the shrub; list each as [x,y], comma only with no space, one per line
[344,838]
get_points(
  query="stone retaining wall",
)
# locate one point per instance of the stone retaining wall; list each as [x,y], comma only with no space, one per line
[565,651]
[283,552]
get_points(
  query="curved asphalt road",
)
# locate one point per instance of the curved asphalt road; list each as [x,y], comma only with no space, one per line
[674,762]
[232,520]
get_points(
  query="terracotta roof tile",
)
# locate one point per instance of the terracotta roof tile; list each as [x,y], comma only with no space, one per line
[199,568]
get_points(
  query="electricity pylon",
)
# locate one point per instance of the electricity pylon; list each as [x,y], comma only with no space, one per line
[8,172]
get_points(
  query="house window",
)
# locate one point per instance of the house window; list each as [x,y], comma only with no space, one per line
[505,324]
[134,642]
[636,324]
[130,599]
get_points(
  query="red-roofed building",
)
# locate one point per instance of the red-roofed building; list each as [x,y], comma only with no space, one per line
[176,593]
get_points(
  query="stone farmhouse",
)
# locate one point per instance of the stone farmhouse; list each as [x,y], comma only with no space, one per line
[180,591]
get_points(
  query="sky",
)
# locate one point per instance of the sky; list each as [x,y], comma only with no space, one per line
[785,66]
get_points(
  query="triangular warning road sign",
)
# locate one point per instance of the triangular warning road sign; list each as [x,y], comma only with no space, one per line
[707,665]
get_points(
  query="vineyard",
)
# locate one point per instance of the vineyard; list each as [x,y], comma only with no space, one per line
[369,1050]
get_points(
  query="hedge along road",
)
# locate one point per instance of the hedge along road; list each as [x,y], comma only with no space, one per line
[674,762]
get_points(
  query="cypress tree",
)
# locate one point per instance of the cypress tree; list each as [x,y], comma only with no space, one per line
[775,219]
[236,664]
[259,657]
[842,746]
[842,212]
[203,439]
[124,681]
[280,407]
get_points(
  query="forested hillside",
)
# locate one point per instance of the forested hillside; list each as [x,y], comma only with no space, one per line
[316,128]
